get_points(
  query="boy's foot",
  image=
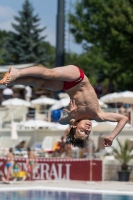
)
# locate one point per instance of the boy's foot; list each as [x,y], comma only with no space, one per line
[2,81]
[10,76]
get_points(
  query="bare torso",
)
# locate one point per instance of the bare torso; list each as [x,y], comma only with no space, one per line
[31,155]
[9,157]
[85,100]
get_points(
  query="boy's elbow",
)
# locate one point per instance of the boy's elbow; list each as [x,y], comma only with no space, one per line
[61,121]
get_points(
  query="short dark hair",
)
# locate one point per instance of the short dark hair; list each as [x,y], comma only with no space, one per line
[11,150]
[78,142]
[28,149]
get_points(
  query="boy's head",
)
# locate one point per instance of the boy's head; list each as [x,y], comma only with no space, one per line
[11,150]
[79,133]
[28,149]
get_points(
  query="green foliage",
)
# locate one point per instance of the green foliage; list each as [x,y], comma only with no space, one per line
[82,62]
[105,30]
[3,37]
[26,44]
[50,53]
[123,152]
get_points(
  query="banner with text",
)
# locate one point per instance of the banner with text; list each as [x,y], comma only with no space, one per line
[59,169]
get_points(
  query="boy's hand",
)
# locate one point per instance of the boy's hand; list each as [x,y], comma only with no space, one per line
[107,141]
[72,109]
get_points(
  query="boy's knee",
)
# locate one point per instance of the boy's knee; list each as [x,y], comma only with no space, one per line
[49,74]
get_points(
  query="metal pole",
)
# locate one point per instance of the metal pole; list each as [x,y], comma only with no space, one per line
[60,23]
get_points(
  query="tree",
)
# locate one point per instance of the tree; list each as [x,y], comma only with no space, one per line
[50,52]
[105,30]
[24,45]
[3,37]
[82,61]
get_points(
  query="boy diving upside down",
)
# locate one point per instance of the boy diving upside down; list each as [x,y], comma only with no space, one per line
[83,105]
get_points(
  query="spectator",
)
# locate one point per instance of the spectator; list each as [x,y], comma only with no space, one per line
[20,146]
[62,145]
[129,113]
[16,167]
[18,173]
[123,110]
[7,93]
[56,149]
[95,88]
[9,163]
[99,88]
[68,145]
[111,87]
[31,162]
[28,93]
[105,89]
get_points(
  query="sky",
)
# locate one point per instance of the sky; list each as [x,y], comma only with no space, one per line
[47,12]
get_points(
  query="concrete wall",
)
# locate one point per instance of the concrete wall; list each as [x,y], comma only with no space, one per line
[111,168]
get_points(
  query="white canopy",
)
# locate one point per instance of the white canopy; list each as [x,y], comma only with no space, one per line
[60,103]
[43,124]
[35,124]
[106,126]
[16,102]
[125,97]
[43,101]
[102,104]
[65,102]
[110,98]
[63,95]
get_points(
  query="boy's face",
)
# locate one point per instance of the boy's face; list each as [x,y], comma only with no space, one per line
[83,129]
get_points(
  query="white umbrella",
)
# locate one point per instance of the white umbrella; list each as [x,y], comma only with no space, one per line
[63,95]
[103,126]
[110,98]
[65,102]
[106,126]
[60,103]
[43,101]
[16,102]
[102,104]
[41,123]
[124,97]
[35,124]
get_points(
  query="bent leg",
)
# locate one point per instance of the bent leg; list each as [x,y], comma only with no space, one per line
[39,83]
[66,73]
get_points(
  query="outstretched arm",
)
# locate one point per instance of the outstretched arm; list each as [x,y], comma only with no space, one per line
[114,117]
